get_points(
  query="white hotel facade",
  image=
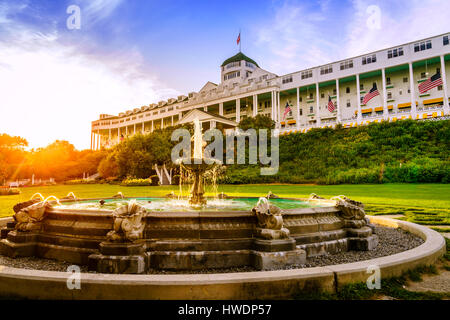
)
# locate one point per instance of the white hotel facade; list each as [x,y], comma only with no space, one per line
[246,90]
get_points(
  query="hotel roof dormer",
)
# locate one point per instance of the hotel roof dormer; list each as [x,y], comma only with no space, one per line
[237,68]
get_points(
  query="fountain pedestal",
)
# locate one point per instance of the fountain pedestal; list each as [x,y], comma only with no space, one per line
[128,258]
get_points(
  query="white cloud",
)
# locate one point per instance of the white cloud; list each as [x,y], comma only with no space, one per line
[53,91]
[95,10]
[293,38]
[401,21]
[298,35]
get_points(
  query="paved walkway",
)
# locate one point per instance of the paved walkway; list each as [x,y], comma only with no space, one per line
[434,283]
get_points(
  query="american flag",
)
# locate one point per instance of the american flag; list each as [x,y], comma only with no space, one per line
[434,81]
[287,109]
[238,38]
[372,93]
[330,105]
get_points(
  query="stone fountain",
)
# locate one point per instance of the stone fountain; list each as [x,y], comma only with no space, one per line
[131,237]
[196,166]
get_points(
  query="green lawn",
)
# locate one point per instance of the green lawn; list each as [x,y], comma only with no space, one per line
[421,203]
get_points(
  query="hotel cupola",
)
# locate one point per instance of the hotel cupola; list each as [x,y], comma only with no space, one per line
[237,68]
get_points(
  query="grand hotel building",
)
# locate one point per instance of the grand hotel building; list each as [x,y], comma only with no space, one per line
[246,90]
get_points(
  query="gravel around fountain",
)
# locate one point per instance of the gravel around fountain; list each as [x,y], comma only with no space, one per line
[391,241]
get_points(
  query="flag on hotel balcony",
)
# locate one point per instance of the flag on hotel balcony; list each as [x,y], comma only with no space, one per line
[287,109]
[238,38]
[434,81]
[372,93]
[330,105]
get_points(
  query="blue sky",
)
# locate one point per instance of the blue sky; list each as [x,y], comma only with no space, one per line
[54,81]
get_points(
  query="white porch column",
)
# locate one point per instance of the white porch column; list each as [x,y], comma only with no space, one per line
[153,125]
[126,130]
[205,108]
[98,139]
[91,139]
[238,110]
[134,130]
[338,104]
[444,82]
[212,124]
[298,108]
[172,121]
[412,91]
[143,127]
[221,109]
[272,112]
[278,108]
[358,94]
[385,110]
[318,122]
[162,123]
[255,105]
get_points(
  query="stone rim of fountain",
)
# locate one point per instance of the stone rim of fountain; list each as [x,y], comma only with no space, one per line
[243,285]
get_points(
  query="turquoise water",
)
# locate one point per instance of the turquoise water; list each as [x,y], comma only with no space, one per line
[163,204]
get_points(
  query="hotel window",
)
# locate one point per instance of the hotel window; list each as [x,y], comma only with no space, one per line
[388,81]
[361,86]
[311,110]
[249,64]
[301,99]
[334,92]
[389,95]
[326,70]
[233,64]
[439,88]
[287,79]
[322,95]
[445,40]
[369,59]
[311,96]
[361,99]
[348,103]
[346,64]
[301,112]
[306,74]
[347,90]
[232,75]
[438,70]
[423,75]
[405,80]
[395,53]
[400,92]
[421,46]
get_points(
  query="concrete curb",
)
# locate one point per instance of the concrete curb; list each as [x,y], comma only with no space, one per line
[34,284]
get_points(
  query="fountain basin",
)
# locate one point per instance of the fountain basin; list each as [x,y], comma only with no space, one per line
[180,240]
[280,284]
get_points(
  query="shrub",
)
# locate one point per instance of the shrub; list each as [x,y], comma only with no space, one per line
[176,179]
[9,191]
[154,180]
[136,182]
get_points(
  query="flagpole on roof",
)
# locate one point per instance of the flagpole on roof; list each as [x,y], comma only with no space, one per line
[240,39]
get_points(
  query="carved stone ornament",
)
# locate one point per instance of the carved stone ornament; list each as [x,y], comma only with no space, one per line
[128,225]
[29,218]
[314,196]
[270,195]
[270,221]
[352,211]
